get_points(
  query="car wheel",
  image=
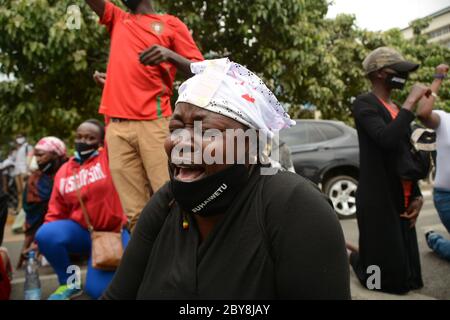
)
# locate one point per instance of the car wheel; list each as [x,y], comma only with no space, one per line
[342,192]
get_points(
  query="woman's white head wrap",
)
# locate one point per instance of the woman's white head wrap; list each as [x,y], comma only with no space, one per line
[227,88]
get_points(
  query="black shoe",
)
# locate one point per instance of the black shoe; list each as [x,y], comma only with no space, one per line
[427,234]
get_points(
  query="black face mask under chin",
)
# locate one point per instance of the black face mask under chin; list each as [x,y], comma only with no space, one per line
[396,81]
[211,195]
[85,150]
[50,167]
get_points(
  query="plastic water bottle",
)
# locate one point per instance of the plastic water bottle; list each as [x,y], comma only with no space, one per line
[32,286]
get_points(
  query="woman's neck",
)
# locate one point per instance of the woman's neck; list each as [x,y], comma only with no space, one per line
[145,8]
[206,224]
[382,92]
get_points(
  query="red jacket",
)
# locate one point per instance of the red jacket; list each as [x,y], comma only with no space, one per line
[97,191]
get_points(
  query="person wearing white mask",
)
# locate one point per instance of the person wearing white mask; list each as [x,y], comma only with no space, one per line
[21,167]
[228,229]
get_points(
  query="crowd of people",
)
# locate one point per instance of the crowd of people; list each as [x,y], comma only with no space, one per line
[218,229]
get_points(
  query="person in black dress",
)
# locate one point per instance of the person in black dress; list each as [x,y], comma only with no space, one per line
[387,205]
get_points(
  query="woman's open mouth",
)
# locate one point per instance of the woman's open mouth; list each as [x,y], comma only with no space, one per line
[188,173]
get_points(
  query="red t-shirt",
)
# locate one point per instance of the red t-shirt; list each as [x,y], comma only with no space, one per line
[97,191]
[132,90]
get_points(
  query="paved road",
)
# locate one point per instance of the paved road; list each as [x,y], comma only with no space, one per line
[435,271]
[49,282]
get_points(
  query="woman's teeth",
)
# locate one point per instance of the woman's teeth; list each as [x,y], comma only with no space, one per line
[189,174]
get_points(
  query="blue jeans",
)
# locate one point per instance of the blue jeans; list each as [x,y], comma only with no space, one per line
[435,241]
[59,238]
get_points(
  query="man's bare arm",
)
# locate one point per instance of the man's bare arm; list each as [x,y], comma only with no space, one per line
[158,54]
[425,109]
[98,6]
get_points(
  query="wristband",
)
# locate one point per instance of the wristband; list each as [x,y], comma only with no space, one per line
[440,76]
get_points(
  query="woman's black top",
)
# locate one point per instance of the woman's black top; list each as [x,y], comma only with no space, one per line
[279,239]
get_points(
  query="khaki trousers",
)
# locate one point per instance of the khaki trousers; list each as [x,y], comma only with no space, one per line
[137,161]
[20,185]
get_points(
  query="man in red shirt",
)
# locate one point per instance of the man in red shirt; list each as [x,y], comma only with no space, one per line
[146,50]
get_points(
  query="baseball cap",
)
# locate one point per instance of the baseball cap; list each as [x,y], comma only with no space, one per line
[387,57]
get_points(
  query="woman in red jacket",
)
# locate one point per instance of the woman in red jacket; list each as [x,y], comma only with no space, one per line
[65,230]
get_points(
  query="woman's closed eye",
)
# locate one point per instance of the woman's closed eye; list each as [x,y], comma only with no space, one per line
[175,124]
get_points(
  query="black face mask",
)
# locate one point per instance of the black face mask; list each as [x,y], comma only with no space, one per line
[211,195]
[396,81]
[131,4]
[85,150]
[50,167]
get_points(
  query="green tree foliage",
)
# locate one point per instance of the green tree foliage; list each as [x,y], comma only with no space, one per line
[349,45]
[304,58]
[285,42]
[429,55]
[50,87]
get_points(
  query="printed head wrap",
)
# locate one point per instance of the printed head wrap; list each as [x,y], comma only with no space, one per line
[52,144]
[230,89]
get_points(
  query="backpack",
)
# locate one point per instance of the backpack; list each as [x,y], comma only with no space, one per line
[415,158]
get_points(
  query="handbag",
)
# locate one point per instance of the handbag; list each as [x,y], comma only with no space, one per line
[107,249]
[415,157]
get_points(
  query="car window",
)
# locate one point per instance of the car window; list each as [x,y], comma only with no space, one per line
[295,135]
[329,131]
[315,135]
[311,132]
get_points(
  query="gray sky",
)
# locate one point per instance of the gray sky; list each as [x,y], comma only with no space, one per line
[378,15]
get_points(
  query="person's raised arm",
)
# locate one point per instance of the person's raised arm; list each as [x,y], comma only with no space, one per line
[181,53]
[158,54]
[387,136]
[425,109]
[418,91]
[99,78]
[98,6]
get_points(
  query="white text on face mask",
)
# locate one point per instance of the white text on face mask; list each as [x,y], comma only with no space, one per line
[215,195]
